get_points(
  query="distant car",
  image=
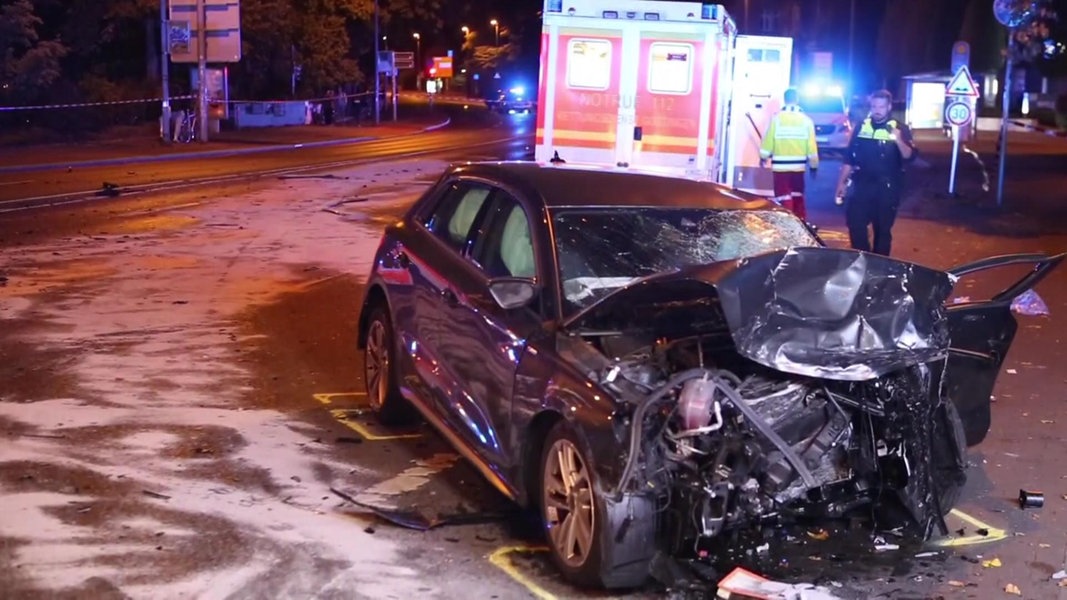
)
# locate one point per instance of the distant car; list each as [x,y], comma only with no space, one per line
[827,108]
[513,100]
[653,362]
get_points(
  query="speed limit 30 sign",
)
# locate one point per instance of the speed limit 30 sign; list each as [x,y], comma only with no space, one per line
[959,113]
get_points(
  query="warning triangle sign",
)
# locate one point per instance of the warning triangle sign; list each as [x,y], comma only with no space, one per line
[962,84]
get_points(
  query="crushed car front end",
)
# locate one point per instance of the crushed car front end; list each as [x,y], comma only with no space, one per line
[802,383]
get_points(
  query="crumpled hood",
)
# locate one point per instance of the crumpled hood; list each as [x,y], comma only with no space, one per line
[819,312]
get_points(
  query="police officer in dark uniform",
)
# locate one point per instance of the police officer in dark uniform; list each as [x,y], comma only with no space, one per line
[875,159]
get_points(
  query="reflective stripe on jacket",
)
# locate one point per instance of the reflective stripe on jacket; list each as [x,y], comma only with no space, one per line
[868,131]
[790,141]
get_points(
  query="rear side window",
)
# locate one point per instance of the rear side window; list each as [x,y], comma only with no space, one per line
[452,218]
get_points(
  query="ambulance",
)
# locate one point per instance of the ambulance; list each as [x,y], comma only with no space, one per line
[660,86]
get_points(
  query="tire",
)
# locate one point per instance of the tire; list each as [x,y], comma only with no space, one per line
[379,371]
[569,505]
[950,442]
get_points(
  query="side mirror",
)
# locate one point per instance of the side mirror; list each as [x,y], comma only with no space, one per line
[512,292]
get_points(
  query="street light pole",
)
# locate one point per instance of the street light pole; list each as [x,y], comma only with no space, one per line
[201,43]
[851,39]
[418,51]
[496,30]
[377,73]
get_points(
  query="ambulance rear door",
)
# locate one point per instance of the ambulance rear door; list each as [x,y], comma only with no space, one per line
[633,87]
[762,66]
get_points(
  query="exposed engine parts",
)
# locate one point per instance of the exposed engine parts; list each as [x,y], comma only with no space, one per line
[726,448]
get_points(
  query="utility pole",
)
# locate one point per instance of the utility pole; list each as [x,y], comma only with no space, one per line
[201,44]
[851,41]
[164,68]
[377,75]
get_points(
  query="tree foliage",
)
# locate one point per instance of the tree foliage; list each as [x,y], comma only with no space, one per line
[30,65]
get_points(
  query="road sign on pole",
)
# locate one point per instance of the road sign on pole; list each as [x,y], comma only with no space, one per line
[961,55]
[404,60]
[959,113]
[962,84]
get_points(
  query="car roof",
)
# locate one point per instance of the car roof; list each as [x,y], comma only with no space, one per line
[568,184]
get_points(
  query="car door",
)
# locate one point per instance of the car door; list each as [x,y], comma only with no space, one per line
[485,342]
[434,255]
[981,334]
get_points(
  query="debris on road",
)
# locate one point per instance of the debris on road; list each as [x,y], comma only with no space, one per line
[1011,588]
[746,584]
[992,563]
[1030,304]
[819,535]
[1031,499]
[155,495]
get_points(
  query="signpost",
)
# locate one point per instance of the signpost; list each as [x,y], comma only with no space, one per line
[190,25]
[960,94]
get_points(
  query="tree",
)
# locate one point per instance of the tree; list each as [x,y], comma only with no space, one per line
[30,65]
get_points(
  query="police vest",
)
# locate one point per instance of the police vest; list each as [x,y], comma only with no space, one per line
[875,152]
[790,141]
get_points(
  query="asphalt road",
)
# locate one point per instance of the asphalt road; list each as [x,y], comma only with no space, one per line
[181,407]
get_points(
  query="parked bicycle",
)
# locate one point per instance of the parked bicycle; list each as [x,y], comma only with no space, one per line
[185,127]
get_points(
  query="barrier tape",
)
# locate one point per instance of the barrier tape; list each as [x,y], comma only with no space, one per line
[85,104]
[1051,131]
[186,97]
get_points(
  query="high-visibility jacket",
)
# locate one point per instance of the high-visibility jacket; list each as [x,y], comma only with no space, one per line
[790,141]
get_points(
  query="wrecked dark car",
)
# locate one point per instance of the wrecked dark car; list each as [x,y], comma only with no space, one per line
[654,362]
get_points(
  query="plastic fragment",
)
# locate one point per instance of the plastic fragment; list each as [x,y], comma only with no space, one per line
[955,583]
[1030,304]
[1061,574]
[1011,588]
[819,534]
[926,554]
[989,564]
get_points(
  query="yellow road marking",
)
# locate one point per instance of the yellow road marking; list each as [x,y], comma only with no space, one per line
[500,558]
[995,534]
[341,415]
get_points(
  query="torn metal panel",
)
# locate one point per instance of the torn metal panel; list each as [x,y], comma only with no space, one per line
[836,314]
[819,312]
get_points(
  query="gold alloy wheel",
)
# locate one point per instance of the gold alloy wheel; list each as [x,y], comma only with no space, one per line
[567,498]
[376,364]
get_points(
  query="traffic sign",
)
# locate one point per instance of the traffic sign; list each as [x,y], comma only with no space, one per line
[962,84]
[961,55]
[404,60]
[959,113]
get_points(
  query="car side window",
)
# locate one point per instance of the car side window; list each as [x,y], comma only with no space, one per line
[452,218]
[507,247]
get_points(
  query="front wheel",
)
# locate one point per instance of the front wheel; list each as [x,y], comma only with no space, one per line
[569,507]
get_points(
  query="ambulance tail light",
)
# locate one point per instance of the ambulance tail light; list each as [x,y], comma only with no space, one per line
[610,14]
[710,12]
[652,16]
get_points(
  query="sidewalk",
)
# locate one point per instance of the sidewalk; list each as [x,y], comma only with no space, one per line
[142,144]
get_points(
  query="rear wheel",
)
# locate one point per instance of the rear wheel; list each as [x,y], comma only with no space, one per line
[379,371]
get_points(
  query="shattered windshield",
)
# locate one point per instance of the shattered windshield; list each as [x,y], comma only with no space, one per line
[603,249]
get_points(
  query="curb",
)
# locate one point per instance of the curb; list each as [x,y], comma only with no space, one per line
[104,162]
